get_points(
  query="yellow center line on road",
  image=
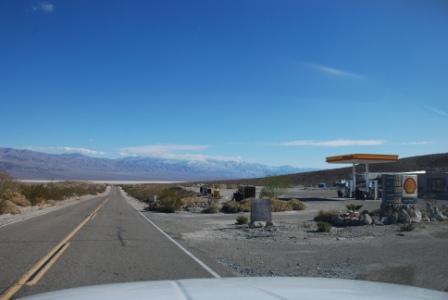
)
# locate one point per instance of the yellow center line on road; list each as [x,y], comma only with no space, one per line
[47,267]
[36,272]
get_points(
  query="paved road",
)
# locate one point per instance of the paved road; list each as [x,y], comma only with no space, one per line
[116,245]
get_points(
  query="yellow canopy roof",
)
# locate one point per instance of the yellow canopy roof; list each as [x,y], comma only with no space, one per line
[362,158]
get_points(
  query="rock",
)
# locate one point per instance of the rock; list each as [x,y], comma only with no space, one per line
[434,212]
[337,220]
[416,215]
[366,219]
[439,216]
[403,217]
[8,207]
[390,219]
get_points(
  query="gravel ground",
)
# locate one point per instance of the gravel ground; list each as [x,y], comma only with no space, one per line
[294,248]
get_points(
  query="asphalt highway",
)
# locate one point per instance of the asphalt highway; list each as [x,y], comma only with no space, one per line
[102,240]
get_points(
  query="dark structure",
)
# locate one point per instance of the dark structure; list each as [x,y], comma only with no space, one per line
[433,186]
[244,192]
[205,191]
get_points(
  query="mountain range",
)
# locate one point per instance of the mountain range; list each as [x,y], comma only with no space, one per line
[27,164]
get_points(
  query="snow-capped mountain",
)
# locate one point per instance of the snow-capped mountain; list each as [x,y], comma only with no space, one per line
[27,164]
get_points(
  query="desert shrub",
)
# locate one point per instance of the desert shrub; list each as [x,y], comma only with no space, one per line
[273,186]
[266,193]
[195,203]
[323,226]
[245,205]
[146,192]
[232,207]
[212,209]
[325,216]
[280,205]
[240,220]
[15,197]
[169,201]
[407,227]
[38,193]
[8,207]
[296,204]
[353,207]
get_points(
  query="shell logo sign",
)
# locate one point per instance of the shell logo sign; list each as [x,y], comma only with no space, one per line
[409,186]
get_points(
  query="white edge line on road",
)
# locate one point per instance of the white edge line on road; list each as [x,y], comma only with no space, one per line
[200,262]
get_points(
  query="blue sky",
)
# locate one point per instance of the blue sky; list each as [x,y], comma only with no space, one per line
[275,82]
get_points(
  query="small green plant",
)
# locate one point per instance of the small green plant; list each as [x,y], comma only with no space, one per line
[241,220]
[326,216]
[407,227]
[296,204]
[353,207]
[323,226]
[212,209]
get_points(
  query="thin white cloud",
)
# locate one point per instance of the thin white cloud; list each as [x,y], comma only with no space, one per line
[335,143]
[68,150]
[416,143]
[175,151]
[436,111]
[45,7]
[334,72]
[160,149]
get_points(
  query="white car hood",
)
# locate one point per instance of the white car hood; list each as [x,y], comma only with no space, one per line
[248,289]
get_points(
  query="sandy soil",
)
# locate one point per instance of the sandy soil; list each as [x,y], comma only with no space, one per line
[34,211]
[294,248]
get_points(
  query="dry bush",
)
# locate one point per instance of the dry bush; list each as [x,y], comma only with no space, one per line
[18,199]
[323,226]
[8,207]
[195,200]
[280,205]
[353,207]
[407,227]
[296,204]
[326,216]
[39,193]
[232,207]
[212,209]
[170,200]
[145,192]
[241,220]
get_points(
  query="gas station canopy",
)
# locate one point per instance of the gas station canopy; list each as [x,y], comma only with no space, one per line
[362,158]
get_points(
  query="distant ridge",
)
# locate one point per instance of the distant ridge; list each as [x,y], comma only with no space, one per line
[430,162]
[27,164]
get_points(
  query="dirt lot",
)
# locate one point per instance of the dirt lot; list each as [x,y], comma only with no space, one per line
[294,248]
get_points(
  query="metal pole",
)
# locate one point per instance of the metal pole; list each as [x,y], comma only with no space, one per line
[367,178]
[354,180]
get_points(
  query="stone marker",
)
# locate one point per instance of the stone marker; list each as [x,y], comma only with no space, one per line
[261,211]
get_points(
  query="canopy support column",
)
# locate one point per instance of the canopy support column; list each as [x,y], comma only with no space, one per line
[367,178]
[354,180]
